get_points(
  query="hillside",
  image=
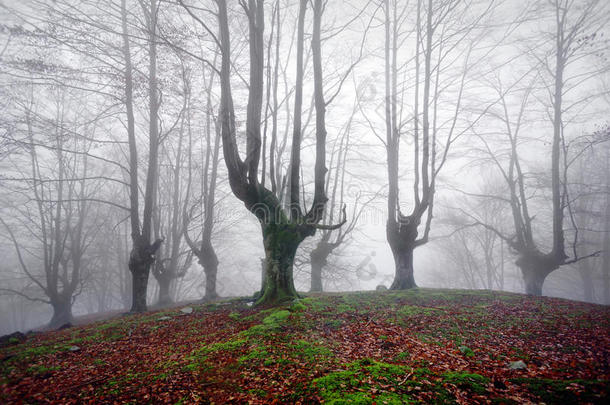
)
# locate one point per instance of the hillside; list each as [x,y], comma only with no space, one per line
[427,346]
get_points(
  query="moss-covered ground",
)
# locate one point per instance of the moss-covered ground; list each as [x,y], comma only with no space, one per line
[417,346]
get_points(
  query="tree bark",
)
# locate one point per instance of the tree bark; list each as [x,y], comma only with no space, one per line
[402,237]
[62,312]
[403,278]
[139,284]
[535,267]
[209,261]
[281,241]
[319,259]
[282,233]
[165,297]
[606,238]
[141,258]
[316,277]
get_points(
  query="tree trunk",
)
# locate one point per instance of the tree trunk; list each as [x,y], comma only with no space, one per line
[401,238]
[316,274]
[141,258]
[62,312]
[210,282]
[403,259]
[533,280]
[139,284]
[318,260]
[281,242]
[263,277]
[535,268]
[606,239]
[165,297]
[209,261]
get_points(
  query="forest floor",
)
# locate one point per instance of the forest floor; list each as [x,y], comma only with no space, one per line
[418,346]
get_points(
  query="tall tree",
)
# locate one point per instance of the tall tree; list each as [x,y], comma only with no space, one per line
[143,251]
[204,249]
[441,29]
[283,230]
[56,213]
[572,40]
[331,240]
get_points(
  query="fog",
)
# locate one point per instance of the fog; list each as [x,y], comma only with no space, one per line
[157,152]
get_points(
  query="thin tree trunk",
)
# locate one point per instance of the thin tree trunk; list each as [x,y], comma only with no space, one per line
[606,239]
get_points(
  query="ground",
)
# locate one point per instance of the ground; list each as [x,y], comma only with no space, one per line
[418,346]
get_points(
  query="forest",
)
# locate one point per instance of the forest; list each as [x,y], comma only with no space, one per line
[304,201]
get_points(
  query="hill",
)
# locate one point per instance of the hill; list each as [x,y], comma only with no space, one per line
[426,346]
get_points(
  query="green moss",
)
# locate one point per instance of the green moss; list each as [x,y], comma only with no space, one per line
[333,323]
[99,362]
[358,383]
[402,356]
[411,310]
[343,308]
[314,304]
[270,324]
[466,351]
[39,369]
[276,319]
[198,359]
[197,362]
[363,398]
[474,382]
[298,306]
[566,391]
[236,316]
[257,392]
[256,354]
[309,351]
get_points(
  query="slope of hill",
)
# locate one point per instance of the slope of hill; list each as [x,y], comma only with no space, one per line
[426,346]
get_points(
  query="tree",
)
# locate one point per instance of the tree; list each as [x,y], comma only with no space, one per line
[55,214]
[574,30]
[440,28]
[331,240]
[204,249]
[143,251]
[174,260]
[283,230]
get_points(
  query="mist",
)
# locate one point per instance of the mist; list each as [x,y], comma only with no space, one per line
[155,153]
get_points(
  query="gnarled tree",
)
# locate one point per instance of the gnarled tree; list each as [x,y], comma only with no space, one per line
[143,251]
[203,249]
[283,229]
[572,39]
[441,30]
